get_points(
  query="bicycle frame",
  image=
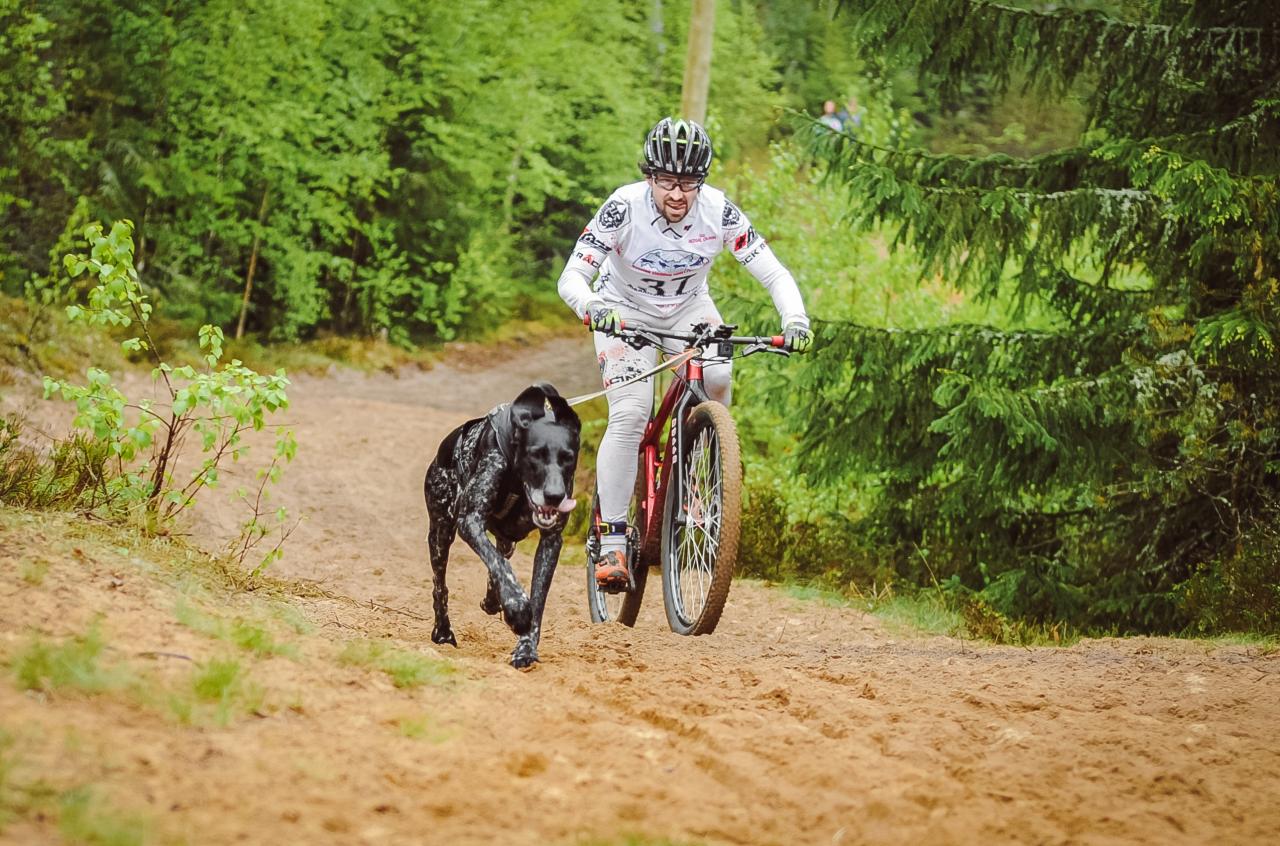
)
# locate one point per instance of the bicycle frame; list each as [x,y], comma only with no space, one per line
[685,389]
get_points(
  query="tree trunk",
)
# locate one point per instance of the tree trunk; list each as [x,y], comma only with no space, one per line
[253,264]
[660,42]
[697,66]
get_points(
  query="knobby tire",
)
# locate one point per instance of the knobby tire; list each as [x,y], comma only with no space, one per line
[711,424]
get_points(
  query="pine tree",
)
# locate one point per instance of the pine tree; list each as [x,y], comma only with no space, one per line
[1088,470]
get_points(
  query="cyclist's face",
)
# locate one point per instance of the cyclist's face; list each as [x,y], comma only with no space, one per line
[673,195]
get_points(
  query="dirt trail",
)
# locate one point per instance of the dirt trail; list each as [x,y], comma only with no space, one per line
[794,723]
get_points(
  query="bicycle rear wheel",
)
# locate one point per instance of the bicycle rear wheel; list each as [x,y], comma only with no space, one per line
[701,522]
[621,607]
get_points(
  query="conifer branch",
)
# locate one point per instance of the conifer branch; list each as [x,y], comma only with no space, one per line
[1166,30]
[1145,74]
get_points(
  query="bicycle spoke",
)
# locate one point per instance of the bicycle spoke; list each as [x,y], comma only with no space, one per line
[697,539]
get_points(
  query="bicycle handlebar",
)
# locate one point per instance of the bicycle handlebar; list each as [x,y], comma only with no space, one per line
[702,336]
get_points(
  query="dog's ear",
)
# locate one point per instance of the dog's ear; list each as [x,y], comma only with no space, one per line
[563,413]
[548,389]
[529,406]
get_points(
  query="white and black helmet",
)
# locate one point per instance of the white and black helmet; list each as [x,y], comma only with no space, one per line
[681,147]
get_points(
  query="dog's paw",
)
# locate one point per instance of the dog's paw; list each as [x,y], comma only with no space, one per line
[518,616]
[491,604]
[525,654]
[443,634]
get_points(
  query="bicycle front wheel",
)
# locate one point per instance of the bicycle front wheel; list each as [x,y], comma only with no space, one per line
[701,522]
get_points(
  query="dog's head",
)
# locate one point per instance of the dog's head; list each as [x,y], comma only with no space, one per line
[546,452]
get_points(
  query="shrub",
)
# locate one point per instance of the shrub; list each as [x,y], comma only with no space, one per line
[135,444]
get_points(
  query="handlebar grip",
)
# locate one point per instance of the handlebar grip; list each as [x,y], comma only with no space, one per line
[777,341]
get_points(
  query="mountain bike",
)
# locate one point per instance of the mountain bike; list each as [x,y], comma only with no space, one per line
[686,511]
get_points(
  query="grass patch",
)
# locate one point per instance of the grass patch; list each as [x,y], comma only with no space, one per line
[404,668]
[73,473]
[18,799]
[82,817]
[85,818]
[1262,645]
[33,572]
[921,613]
[219,690]
[216,691]
[9,803]
[422,728]
[937,611]
[74,664]
[814,593]
[292,617]
[983,622]
[243,633]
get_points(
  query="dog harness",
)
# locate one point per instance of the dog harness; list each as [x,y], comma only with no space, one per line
[504,430]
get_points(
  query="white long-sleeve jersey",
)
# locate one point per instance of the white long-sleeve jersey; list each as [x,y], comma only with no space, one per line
[657,266]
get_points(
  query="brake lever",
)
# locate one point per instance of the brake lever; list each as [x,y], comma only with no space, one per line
[755,348]
[639,339]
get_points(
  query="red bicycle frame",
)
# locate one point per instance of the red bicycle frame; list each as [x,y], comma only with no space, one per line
[657,473]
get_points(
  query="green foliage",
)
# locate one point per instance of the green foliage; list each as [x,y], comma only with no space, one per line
[378,168]
[1114,428]
[1239,590]
[218,404]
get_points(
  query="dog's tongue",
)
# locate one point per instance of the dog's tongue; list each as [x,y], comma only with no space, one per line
[566,505]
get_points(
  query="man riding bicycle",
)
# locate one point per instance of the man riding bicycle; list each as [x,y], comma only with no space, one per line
[651,245]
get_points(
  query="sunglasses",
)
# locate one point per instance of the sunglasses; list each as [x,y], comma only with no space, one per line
[668,182]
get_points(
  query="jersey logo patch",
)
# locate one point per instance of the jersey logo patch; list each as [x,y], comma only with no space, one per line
[590,240]
[744,240]
[732,217]
[612,215]
[669,262]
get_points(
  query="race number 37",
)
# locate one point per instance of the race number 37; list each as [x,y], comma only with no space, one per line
[658,287]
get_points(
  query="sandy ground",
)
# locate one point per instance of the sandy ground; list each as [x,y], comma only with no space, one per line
[794,723]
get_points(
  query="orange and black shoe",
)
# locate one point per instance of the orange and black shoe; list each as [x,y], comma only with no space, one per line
[611,572]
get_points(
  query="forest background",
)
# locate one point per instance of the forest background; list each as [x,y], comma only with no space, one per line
[1043,268]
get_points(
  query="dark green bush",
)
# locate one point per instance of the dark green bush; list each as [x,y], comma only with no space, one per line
[1239,590]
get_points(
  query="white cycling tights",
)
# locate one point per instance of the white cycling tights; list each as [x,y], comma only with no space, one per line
[629,406]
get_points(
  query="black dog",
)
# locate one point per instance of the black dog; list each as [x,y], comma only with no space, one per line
[508,473]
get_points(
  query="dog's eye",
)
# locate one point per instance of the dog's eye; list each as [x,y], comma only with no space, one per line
[565,458]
